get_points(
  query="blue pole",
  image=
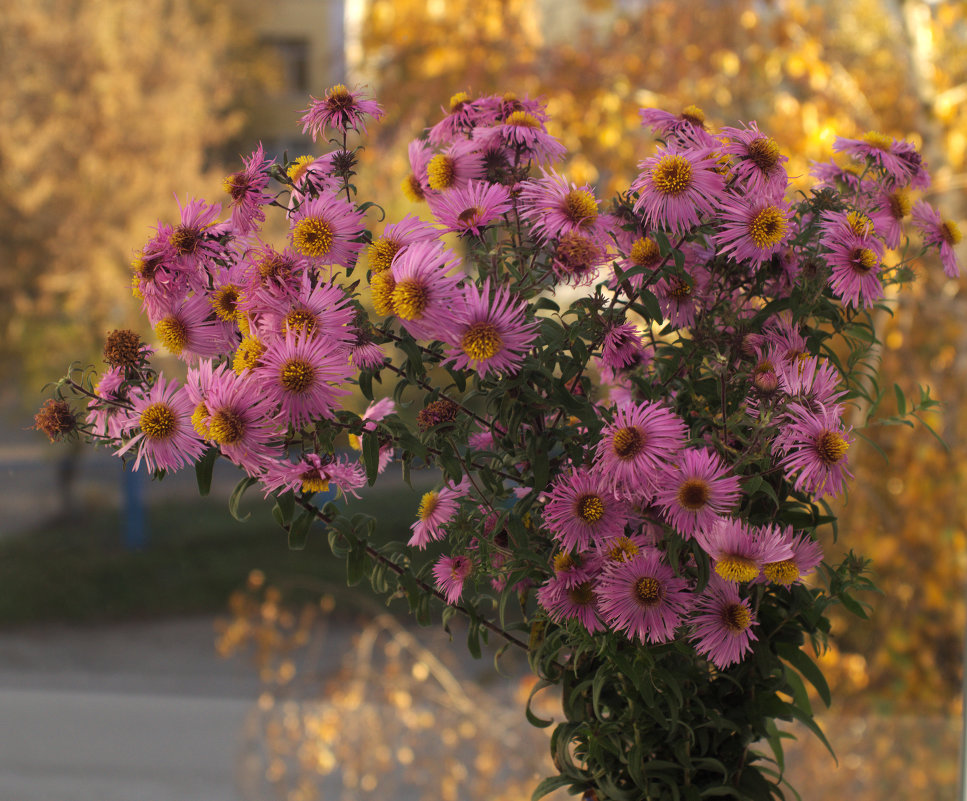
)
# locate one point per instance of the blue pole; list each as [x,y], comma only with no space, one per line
[135,532]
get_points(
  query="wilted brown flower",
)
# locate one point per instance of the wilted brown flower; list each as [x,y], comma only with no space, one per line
[56,419]
[440,411]
[123,348]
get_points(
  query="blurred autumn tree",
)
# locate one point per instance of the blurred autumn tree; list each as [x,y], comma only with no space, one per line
[109,108]
[806,71]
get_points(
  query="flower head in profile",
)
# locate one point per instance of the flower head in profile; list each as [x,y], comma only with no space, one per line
[854,263]
[677,187]
[314,473]
[899,160]
[622,348]
[489,332]
[722,624]
[806,554]
[938,233]
[341,109]
[554,206]
[581,511]
[643,598]
[756,162]
[450,573]
[161,416]
[455,167]
[246,188]
[577,600]
[191,330]
[697,492]
[739,550]
[437,509]
[395,237]
[522,131]
[686,128]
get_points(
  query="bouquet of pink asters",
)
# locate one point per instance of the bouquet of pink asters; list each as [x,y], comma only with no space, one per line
[636,412]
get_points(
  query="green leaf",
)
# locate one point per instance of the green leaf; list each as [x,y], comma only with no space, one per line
[801,662]
[549,785]
[357,565]
[546,303]
[371,456]
[236,498]
[473,640]
[901,401]
[203,470]
[299,530]
[285,503]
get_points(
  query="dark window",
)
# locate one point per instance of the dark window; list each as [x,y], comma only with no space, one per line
[293,56]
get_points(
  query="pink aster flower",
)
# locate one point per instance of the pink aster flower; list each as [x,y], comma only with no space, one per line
[637,253]
[938,233]
[488,331]
[698,492]
[396,236]
[469,209]
[571,569]
[563,601]
[462,116]
[624,548]
[324,229]
[888,209]
[831,175]
[105,416]
[677,187]
[197,236]
[450,573]
[302,375]
[555,206]
[270,276]
[815,445]
[310,177]
[637,445]
[522,132]
[739,550]
[415,186]
[687,128]
[366,355]
[756,162]
[643,598]
[855,267]
[437,509]
[247,191]
[810,381]
[581,511]
[576,257]
[752,230]
[424,288]
[899,160]
[455,167]
[242,423]
[340,109]
[162,417]
[723,624]
[806,554]
[191,330]
[622,348]
[314,473]
[323,310]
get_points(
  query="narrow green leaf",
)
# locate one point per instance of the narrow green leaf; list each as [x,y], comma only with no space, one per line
[901,401]
[549,785]
[371,456]
[299,530]
[203,470]
[236,498]
[801,662]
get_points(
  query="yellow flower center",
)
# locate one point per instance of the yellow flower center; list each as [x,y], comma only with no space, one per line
[381,286]
[694,115]
[225,302]
[226,427]
[457,101]
[672,175]
[736,618]
[298,168]
[628,442]
[785,572]
[645,252]
[576,253]
[413,189]
[623,549]
[313,482]
[381,254]
[410,299]
[648,591]
[580,207]
[297,376]
[764,153]
[767,227]
[300,321]
[470,216]
[878,140]
[950,232]
[859,223]
[441,172]
[831,447]
[562,561]
[693,494]
[863,260]
[590,508]
[273,266]
[481,341]
[198,420]
[236,185]
[173,334]
[185,240]
[523,119]
[736,568]
[900,203]
[158,421]
[428,504]
[582,595]
[247,356]
[339,98]
[679,288]
[312,237]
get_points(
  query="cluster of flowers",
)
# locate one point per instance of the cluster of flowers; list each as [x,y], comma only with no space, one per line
[273,339]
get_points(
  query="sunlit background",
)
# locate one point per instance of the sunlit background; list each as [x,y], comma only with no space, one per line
[110,108]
